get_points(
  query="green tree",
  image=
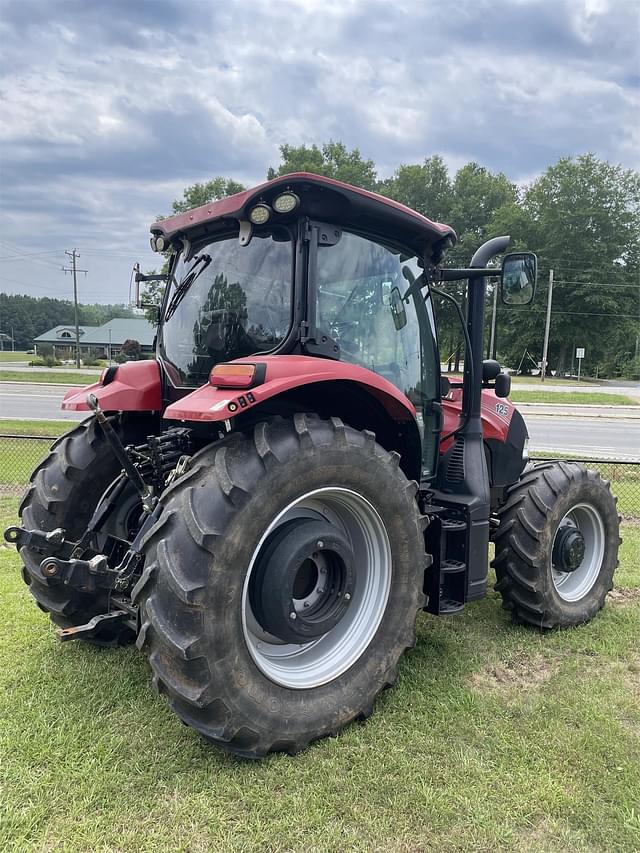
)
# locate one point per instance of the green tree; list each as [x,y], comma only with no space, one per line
[30,316]
[582,217]
[425,187]
[333,160]
[204,193]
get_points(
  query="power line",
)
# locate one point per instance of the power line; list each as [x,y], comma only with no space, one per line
[599,284]
[35,260]
[29,255]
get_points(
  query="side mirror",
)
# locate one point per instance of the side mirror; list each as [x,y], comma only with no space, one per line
[503,385]
[518,282]
[490,369]
[397,309]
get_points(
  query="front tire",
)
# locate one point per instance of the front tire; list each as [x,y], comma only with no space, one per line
[556,548]
[209,612]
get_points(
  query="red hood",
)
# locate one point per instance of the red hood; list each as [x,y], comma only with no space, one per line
[496,414]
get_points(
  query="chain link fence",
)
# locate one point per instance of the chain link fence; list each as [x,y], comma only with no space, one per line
[19,455]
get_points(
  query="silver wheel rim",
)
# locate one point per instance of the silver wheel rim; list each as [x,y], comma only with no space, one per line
[573,586]
[308,665]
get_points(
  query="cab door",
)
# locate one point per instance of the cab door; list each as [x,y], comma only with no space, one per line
[368,299]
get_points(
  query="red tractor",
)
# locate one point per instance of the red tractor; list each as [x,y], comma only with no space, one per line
[267,506]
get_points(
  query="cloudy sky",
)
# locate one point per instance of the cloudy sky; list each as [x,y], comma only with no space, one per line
[112,107]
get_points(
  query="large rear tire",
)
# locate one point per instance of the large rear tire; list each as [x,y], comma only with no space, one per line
[556,548]
[64,491]
[225,674]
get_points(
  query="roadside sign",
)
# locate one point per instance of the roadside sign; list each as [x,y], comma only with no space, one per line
[579,352]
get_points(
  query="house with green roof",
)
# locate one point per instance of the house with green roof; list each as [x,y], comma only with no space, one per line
[98,341]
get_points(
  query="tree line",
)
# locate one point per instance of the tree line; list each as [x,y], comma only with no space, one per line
[29,316]
[581,216]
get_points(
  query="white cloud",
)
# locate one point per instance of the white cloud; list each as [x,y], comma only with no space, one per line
[110,110]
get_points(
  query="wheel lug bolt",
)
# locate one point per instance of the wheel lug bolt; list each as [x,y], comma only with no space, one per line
[347,596]
[306,604]
[323,571]
[320,591]
[320,543]
[293,615]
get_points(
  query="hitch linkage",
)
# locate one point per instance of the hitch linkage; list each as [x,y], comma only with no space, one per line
[52,542]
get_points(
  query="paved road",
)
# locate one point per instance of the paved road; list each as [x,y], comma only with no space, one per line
[591,437]
[38,402]
[598,437]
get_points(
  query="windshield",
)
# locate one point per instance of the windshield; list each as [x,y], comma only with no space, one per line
[227,301]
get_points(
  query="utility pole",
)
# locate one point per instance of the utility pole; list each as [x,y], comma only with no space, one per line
[73,269]
[492,339]
[545,347]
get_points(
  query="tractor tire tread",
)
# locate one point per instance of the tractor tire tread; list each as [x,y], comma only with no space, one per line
[525,536]
[173,595]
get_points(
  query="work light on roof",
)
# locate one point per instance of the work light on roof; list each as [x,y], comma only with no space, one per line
[260,214]
[286,202]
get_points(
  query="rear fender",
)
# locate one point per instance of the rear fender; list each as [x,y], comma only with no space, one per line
[136,386]
[284,373]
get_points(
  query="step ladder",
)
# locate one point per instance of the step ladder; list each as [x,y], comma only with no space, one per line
[446,580]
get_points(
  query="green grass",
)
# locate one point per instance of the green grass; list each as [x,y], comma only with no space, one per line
[495,738]
[571,398]
[7,355]
[20,427]
[48,377]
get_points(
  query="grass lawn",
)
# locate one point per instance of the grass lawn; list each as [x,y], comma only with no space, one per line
[7,355]
[597,398]
[49,377]
[496,737]
[20,427]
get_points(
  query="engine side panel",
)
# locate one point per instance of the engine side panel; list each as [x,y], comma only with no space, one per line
[135,387]
[504,433]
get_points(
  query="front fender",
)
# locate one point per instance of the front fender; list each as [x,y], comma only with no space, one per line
[282,373]
[136,387]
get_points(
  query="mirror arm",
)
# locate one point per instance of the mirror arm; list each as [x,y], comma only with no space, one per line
[152,277]
[460,274]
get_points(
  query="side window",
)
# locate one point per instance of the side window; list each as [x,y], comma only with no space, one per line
[365,302]
[361,286]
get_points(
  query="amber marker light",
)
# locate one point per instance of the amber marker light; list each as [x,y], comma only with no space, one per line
[233,375]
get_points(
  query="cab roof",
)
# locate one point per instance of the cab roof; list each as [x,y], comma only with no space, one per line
[321,198]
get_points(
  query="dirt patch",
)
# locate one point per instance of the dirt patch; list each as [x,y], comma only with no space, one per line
[520,672]
[625,594]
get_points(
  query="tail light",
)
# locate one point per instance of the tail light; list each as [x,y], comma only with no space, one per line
[237,375]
